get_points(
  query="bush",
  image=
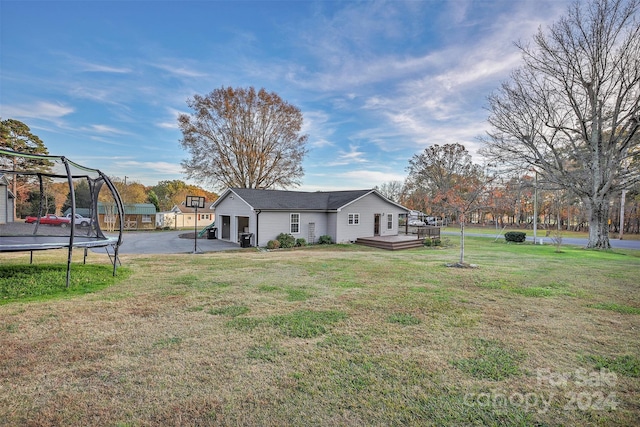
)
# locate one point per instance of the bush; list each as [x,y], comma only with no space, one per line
[432,242]
[515,236]
[286,240]
[301,242]
[273,244]
[325,240]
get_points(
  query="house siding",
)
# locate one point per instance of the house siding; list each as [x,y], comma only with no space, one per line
[234,208]
[332,225]
[273,223]
[4,203]
[367,207]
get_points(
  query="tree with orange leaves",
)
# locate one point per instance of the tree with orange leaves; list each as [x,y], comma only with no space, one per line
[450,180]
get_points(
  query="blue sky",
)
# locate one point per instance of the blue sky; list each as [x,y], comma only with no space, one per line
[102,82]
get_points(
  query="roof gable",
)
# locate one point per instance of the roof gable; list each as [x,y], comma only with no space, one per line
[280,200]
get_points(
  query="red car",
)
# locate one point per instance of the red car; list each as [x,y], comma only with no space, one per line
[49,219]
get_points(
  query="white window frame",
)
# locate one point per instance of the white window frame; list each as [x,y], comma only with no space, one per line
[146,219]
[353,219]
[390,221]
[291,223]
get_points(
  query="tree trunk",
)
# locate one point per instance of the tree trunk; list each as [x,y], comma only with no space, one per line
[462,241]
[598,211]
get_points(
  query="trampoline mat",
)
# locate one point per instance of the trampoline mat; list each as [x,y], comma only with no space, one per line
[37,243]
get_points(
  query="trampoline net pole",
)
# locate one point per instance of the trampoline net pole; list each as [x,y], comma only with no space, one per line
[72,197]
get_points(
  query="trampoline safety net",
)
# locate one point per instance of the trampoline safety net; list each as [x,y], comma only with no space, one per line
[50,202]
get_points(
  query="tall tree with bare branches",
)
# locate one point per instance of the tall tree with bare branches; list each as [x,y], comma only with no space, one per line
[572,110]
[243,138]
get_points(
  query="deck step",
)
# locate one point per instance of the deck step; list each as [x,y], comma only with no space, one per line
[391,245]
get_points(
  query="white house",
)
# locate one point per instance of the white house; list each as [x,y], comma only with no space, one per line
[181,216]
[6,201]
[343,215]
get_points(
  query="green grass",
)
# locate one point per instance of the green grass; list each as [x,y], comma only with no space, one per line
[618,308]
[168,342]
[551,289]
[329,335]
[306,323]
[627,365]
[404,319]
[343,342]
[267,352]
[298,324]
[296,294]
[230,310]
[492,361]
[43,282]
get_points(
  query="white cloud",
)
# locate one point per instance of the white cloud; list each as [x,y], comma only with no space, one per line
[353,156]
[104,68]
[168,125]
[180,70]
[147,167]
[104,129]
[39,110]
[371,176]
[316,124]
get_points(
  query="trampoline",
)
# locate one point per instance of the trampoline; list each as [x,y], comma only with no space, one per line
[37,185]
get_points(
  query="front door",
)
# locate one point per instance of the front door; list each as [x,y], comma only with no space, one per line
[226,227]
[376,225]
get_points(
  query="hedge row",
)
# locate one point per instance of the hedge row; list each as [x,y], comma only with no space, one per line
[515,236]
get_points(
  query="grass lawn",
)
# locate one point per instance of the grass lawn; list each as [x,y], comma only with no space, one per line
[542,232]
[332,335]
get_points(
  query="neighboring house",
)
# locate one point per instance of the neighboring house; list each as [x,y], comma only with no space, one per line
[343,215]
[137,216]
[6,201]
[165,219]
[181,216]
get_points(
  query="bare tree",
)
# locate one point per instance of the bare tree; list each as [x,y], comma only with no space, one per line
[572,110]
[243,138]
[392,190]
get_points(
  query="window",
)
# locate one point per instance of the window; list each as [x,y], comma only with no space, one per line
[295,223]
[354,219]
[389,221]
[146,218]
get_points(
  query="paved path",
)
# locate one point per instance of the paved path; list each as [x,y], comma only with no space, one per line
[615,243]
[168,242]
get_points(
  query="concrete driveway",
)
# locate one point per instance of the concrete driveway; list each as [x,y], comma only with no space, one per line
[168,242]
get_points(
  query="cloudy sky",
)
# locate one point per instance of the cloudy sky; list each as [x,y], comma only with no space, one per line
[102,82]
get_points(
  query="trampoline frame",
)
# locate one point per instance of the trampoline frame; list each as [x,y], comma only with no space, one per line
[30,243]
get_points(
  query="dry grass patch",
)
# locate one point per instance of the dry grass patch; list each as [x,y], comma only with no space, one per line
[330,335]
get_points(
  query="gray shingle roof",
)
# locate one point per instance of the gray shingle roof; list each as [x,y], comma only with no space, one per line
[298,200]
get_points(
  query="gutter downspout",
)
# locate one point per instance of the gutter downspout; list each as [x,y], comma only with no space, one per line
[258,212]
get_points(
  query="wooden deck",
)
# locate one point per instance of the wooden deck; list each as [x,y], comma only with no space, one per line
[392,243]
